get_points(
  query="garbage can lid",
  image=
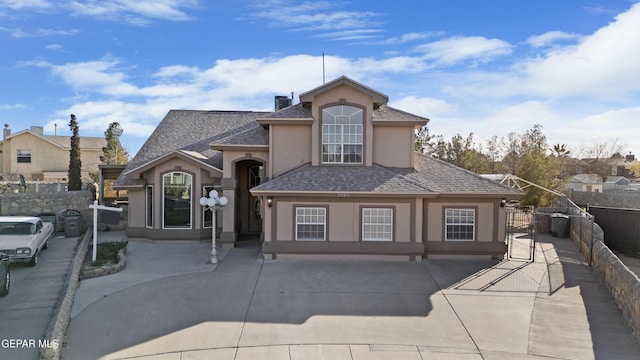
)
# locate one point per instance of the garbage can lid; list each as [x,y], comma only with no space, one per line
[559,215]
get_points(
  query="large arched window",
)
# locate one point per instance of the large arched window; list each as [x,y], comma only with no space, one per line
[342,135]
[177,190]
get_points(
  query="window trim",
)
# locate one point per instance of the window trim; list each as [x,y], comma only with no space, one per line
[24,154]
[475,222]
[148,207]
[307,206]
[362,144]
[191,200]
[393,222]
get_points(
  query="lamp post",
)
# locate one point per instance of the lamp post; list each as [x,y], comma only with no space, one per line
[213,203]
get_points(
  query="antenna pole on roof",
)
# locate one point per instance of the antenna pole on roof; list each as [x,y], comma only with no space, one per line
[323,79]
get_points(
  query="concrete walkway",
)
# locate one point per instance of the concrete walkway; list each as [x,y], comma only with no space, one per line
[553,308]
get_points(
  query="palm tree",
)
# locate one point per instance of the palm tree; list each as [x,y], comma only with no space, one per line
[560,150]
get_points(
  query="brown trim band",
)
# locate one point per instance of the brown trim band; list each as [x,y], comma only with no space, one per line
[337,247]
[465,247]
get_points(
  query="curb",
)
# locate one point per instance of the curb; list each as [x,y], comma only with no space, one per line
[62,313]
[106,269]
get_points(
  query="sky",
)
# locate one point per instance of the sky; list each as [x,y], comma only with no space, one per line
[484,67]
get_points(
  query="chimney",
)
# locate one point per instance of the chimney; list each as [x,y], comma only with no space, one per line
[282,102]
[7,131]
[39,130]
[630,157]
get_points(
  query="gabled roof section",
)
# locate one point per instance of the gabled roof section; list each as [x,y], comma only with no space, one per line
[586,179]
[190,133]
[378,98]
[189,156]
[386,115]
[430,178]
[64,142]
[292,114]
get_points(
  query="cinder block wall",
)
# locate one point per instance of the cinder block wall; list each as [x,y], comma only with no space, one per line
[32,203]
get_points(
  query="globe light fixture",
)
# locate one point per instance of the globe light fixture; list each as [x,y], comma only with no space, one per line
[213,203]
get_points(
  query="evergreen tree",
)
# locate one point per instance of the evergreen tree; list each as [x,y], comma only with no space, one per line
[114,153]
[75,163]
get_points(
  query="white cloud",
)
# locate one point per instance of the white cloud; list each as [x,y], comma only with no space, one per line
[311,16]
[136,12]
[453,50]
[11,106]
[53,47]
[425,106]
[26,4]
[550,38]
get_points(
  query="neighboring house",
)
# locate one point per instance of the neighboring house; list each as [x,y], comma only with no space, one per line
[572,166]
[585,182]
[616,183]
[46,157]
[335,174]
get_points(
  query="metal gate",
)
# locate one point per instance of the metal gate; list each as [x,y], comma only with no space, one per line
[519,233]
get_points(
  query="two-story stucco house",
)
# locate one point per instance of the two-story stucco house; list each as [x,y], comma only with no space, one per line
[46,157]
[334,175]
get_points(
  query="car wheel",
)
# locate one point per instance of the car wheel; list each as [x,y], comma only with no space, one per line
[4,289]
[46,245]
[34,259]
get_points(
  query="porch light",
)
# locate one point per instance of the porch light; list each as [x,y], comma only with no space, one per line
[269,201]
[213,203]
[503,202]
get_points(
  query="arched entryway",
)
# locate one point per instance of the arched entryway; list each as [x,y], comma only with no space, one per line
[248,216]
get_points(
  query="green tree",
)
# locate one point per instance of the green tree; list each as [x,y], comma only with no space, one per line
[540,169]
[423,140]
[75,162]
[114,153]
[461,152]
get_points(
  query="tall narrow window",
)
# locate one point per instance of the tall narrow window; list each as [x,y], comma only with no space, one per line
[377,224]
[342,135]
[24,156]
[149,206]
[311,223]
[460,224]
[177,190]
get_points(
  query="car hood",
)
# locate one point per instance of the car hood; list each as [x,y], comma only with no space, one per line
[16,241]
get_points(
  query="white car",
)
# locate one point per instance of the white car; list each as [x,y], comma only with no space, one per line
[23,237]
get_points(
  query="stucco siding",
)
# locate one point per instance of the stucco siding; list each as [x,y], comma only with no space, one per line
[290,147]
[393,146]
[137,210]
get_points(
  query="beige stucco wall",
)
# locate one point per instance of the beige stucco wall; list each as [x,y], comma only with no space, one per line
[290,147]
[137,211]
[335,96]
[45,156]
[230,157]
[343,219]
[485,219]
[393,146]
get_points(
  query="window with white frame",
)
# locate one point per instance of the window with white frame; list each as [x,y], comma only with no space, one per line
[460,224]
[311,223]
[342,135]
[177,190]
[377,224]
[24,156]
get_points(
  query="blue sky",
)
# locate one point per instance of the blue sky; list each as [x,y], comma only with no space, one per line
[482,67]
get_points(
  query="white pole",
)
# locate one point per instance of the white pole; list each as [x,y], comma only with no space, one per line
[95,230]
[214,252]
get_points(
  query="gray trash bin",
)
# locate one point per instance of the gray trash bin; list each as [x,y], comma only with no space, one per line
[559,225]
[72,223]
[49,217]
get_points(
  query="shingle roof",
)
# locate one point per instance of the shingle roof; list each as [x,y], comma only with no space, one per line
[291,112]
[193,131]
[387,113]
[429,176]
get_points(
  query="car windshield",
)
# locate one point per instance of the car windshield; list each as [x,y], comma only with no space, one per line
[17,228]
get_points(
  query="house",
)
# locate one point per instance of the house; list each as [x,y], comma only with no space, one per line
[334,175]
[585,182]
[616,183]
[572,166]
[46,157]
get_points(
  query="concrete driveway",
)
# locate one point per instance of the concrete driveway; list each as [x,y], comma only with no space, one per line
[245,308]
[26,312]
